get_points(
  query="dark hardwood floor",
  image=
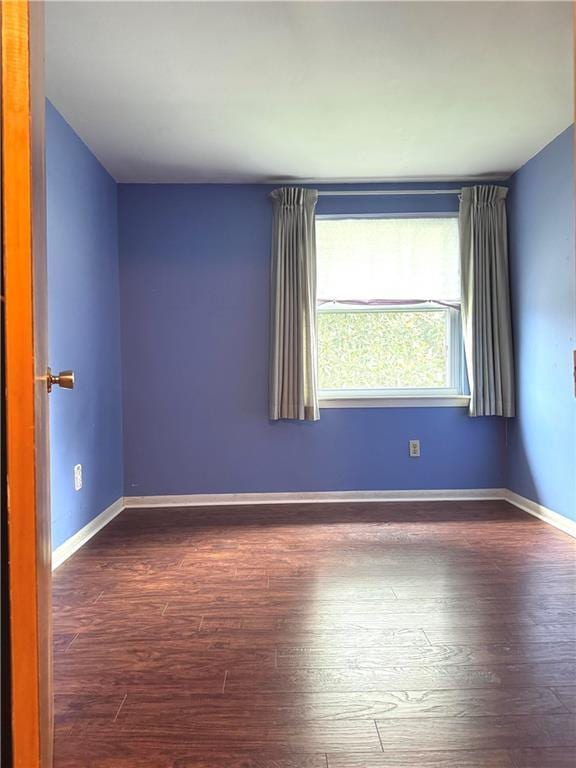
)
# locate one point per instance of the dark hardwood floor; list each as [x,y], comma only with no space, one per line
[429,635]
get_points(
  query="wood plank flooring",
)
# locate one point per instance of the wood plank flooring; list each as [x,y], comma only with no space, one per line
[413,635]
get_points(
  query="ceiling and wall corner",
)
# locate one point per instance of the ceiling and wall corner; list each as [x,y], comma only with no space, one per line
[257,92]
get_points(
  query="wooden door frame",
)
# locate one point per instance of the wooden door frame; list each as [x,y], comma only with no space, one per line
[24,265]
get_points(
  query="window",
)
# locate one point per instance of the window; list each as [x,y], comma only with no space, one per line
[389,307]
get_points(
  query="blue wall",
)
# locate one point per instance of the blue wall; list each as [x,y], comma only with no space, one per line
[542,439]
[192,306]
[194,265]
[84,322]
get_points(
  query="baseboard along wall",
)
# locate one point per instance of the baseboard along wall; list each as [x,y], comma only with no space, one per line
[65,550]
[73,544]
[297,497]
[543,513]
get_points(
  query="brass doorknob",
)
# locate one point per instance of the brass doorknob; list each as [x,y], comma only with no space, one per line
[64,379]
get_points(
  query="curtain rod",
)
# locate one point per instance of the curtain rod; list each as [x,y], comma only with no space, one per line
[341,193]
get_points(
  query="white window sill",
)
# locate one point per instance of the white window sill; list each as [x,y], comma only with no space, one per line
[401,401]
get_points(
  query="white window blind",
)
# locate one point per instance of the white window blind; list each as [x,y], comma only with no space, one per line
[388,261]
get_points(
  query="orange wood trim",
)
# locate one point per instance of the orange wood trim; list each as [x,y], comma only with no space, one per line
[29,747]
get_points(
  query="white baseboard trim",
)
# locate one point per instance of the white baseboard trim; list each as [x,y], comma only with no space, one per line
[237,499]
[543,513]
[314,497]
[73,544]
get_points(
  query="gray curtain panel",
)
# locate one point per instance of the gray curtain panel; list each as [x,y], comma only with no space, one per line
[486,322]
[293,355]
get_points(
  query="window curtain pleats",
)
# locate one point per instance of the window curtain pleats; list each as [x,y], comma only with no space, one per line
[486,321]
[293,355]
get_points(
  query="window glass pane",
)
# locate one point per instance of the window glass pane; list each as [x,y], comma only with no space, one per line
[383,349]
[388,260]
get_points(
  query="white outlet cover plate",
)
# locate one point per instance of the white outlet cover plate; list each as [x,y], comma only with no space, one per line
[77,477]
[414,448]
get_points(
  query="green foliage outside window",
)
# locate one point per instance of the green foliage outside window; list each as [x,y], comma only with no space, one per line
[382,349]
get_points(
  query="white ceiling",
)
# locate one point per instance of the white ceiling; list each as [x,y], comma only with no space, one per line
[243,91]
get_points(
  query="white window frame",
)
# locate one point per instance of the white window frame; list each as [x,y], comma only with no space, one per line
[452,396]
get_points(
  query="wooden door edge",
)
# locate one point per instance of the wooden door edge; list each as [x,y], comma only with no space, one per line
[31,731]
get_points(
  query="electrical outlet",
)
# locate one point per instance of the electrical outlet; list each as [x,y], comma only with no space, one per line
[77,477]
[414,448]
